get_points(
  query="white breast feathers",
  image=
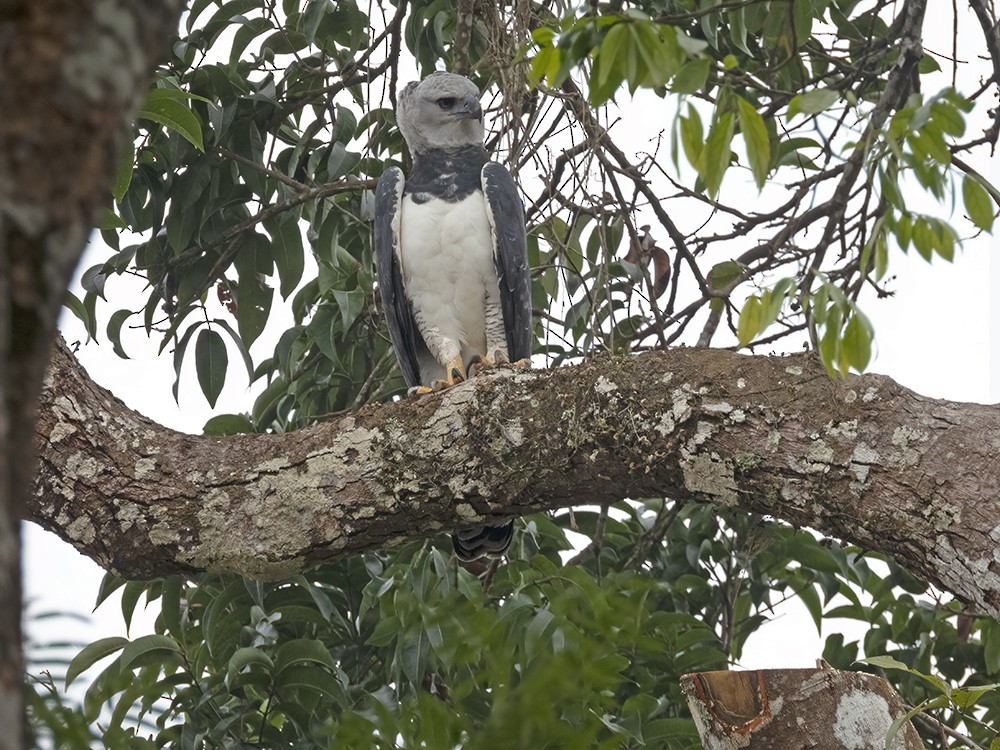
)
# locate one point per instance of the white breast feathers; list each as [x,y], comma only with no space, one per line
[448,269]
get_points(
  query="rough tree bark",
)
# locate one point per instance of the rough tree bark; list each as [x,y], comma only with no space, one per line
[71,74]
[862,459]
[763,710]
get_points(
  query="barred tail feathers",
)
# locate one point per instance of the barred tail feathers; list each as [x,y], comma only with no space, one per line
[479,541]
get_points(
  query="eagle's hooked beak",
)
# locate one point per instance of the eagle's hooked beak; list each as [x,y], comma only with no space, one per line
[470,109]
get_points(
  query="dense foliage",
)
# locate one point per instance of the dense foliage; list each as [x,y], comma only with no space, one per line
[250,187]
[406,648]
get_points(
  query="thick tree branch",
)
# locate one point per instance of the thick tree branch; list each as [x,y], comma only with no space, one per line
[862,459]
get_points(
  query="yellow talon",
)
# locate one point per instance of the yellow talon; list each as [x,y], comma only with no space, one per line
[479,364]
[454,372]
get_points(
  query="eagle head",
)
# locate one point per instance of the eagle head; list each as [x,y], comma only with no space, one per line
[441,111]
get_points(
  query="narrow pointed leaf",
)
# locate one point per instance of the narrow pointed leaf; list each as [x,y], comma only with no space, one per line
[757,143]
[92,654]
[751,319]
[211,361]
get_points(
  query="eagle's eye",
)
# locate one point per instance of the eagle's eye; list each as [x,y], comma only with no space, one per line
[446,102]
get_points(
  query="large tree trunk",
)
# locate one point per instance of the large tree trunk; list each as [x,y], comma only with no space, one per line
[862,459]
[71,74]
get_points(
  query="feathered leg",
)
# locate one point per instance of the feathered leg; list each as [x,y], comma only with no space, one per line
[446,351]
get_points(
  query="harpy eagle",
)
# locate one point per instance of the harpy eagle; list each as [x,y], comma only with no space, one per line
[452,255]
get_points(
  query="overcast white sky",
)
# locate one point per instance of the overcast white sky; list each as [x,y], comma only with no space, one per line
[938,336]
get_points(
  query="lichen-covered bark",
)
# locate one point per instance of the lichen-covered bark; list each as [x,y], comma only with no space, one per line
[796,708]
[862,459]
[71,74]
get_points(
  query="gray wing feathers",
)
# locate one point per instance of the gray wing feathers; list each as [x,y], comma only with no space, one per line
[398,314]
[510,251]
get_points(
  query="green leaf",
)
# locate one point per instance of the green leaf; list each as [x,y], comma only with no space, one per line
[90,304]
[163,106]
[94,279]
[321,600]
[115,331]
[751,320]
[250,29]
[345,125]
[75,306]
[211,361]
[92,654]
[944,240]
[385,632]
[123,172]
[246,657]
[691,78]
[289,255]
[130,598]
[171,607]
[136,652]
[991,646]
[110,583]
[240,346]
[923,238]
[228,424]
[350,304]
[928,64]
[966,698]
[738,29]
[110,221]
[829,344]
[812,102]
[723,274]
[302,650]
[312,17]
[887,662]
[179,351]
[900,721]
[254,297]
[313,679]
[224,612]
[856,345]
[692,137]
[662,54]
[341,161]
[545,65]
[610,57]
[902,227]
[978,203]
[717,153]
[411,655]
[265,407]
[947,119]
[539,631]
[755,137]
[810,598]
[881,256]
[106,684]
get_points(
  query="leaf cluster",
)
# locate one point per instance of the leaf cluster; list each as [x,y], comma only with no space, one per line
[553,648]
